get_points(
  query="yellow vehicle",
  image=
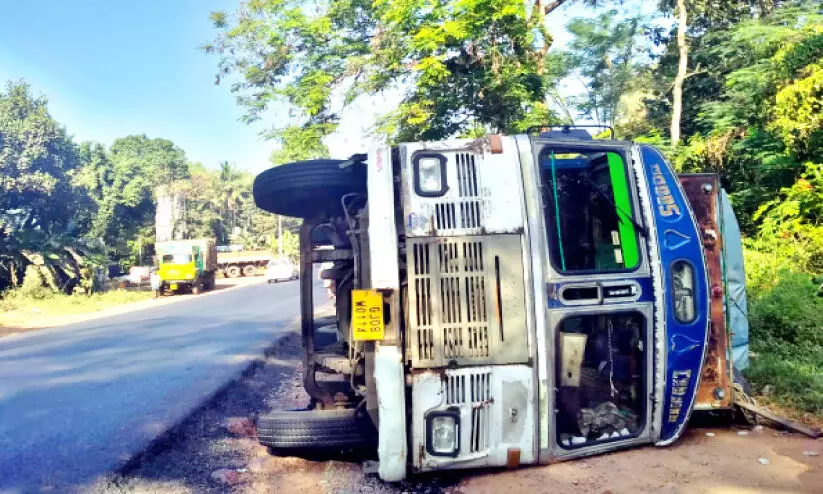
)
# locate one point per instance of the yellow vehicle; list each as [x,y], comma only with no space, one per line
[186,265]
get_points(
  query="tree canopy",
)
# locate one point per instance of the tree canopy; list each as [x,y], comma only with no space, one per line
[464,66]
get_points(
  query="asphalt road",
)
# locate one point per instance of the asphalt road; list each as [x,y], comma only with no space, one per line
[80,400]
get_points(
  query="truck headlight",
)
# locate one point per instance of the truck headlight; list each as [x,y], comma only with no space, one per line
[429,174]
[683,291]
[443,433]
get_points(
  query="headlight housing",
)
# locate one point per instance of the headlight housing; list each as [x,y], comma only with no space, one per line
[429,174]
[443,433]
[683,292]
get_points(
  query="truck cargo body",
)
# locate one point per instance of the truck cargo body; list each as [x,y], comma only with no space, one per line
[243,263]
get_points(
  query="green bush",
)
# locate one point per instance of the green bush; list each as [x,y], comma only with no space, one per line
[33,285]
[786,330]
[794,372]
[789,311]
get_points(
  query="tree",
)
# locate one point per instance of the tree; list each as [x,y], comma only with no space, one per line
[38,198]
[682,67]
[605,52]
[234,191]
[696,19]
[122,181]
[37,160]
[750,117]
[204,211]
[62,256]
[465,67]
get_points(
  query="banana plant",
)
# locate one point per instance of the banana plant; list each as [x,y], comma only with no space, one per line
[65,259]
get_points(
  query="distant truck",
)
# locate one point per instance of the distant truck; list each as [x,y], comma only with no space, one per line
[235,263]
[186,264]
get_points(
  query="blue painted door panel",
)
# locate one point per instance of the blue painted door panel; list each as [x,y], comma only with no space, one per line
[679,240]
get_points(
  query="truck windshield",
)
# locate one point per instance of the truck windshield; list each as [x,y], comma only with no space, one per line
[588,210]
[176,258]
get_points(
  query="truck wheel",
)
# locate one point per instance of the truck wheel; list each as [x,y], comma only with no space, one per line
[315,429]
[308,189]
[233,271]
[195,289]
[249,270]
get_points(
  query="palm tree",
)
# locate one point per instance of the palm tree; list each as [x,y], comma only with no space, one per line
[230,191]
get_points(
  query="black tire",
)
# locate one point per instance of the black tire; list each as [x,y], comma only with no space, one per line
[233,271]
[196,289]
[308,189]
[249,270]
[315,430]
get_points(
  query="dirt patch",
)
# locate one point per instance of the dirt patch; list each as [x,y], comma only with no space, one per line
[725,463]
[721,462]
[25,321]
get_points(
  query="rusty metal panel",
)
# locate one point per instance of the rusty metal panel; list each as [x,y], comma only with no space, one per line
[715,382]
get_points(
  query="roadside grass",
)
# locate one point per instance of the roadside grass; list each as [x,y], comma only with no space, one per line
[794,374]
[18,310]
[786,318]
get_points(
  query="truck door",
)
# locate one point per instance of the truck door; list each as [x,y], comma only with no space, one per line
[600,297]
[683,307]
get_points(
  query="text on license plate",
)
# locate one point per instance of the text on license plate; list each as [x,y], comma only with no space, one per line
[367,315]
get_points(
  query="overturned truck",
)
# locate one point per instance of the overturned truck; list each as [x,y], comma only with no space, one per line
[508,301]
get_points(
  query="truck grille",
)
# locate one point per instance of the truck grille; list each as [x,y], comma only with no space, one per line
[465,211]
[466,301]
[471,388]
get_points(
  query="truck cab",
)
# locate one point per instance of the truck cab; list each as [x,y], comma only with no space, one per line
[503,301]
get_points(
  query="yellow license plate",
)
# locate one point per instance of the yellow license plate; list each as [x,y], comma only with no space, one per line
[367,315]
[173,286]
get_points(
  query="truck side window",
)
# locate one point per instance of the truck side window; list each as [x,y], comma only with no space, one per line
[589,216]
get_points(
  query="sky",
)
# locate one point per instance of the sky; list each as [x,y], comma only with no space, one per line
[114,68]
